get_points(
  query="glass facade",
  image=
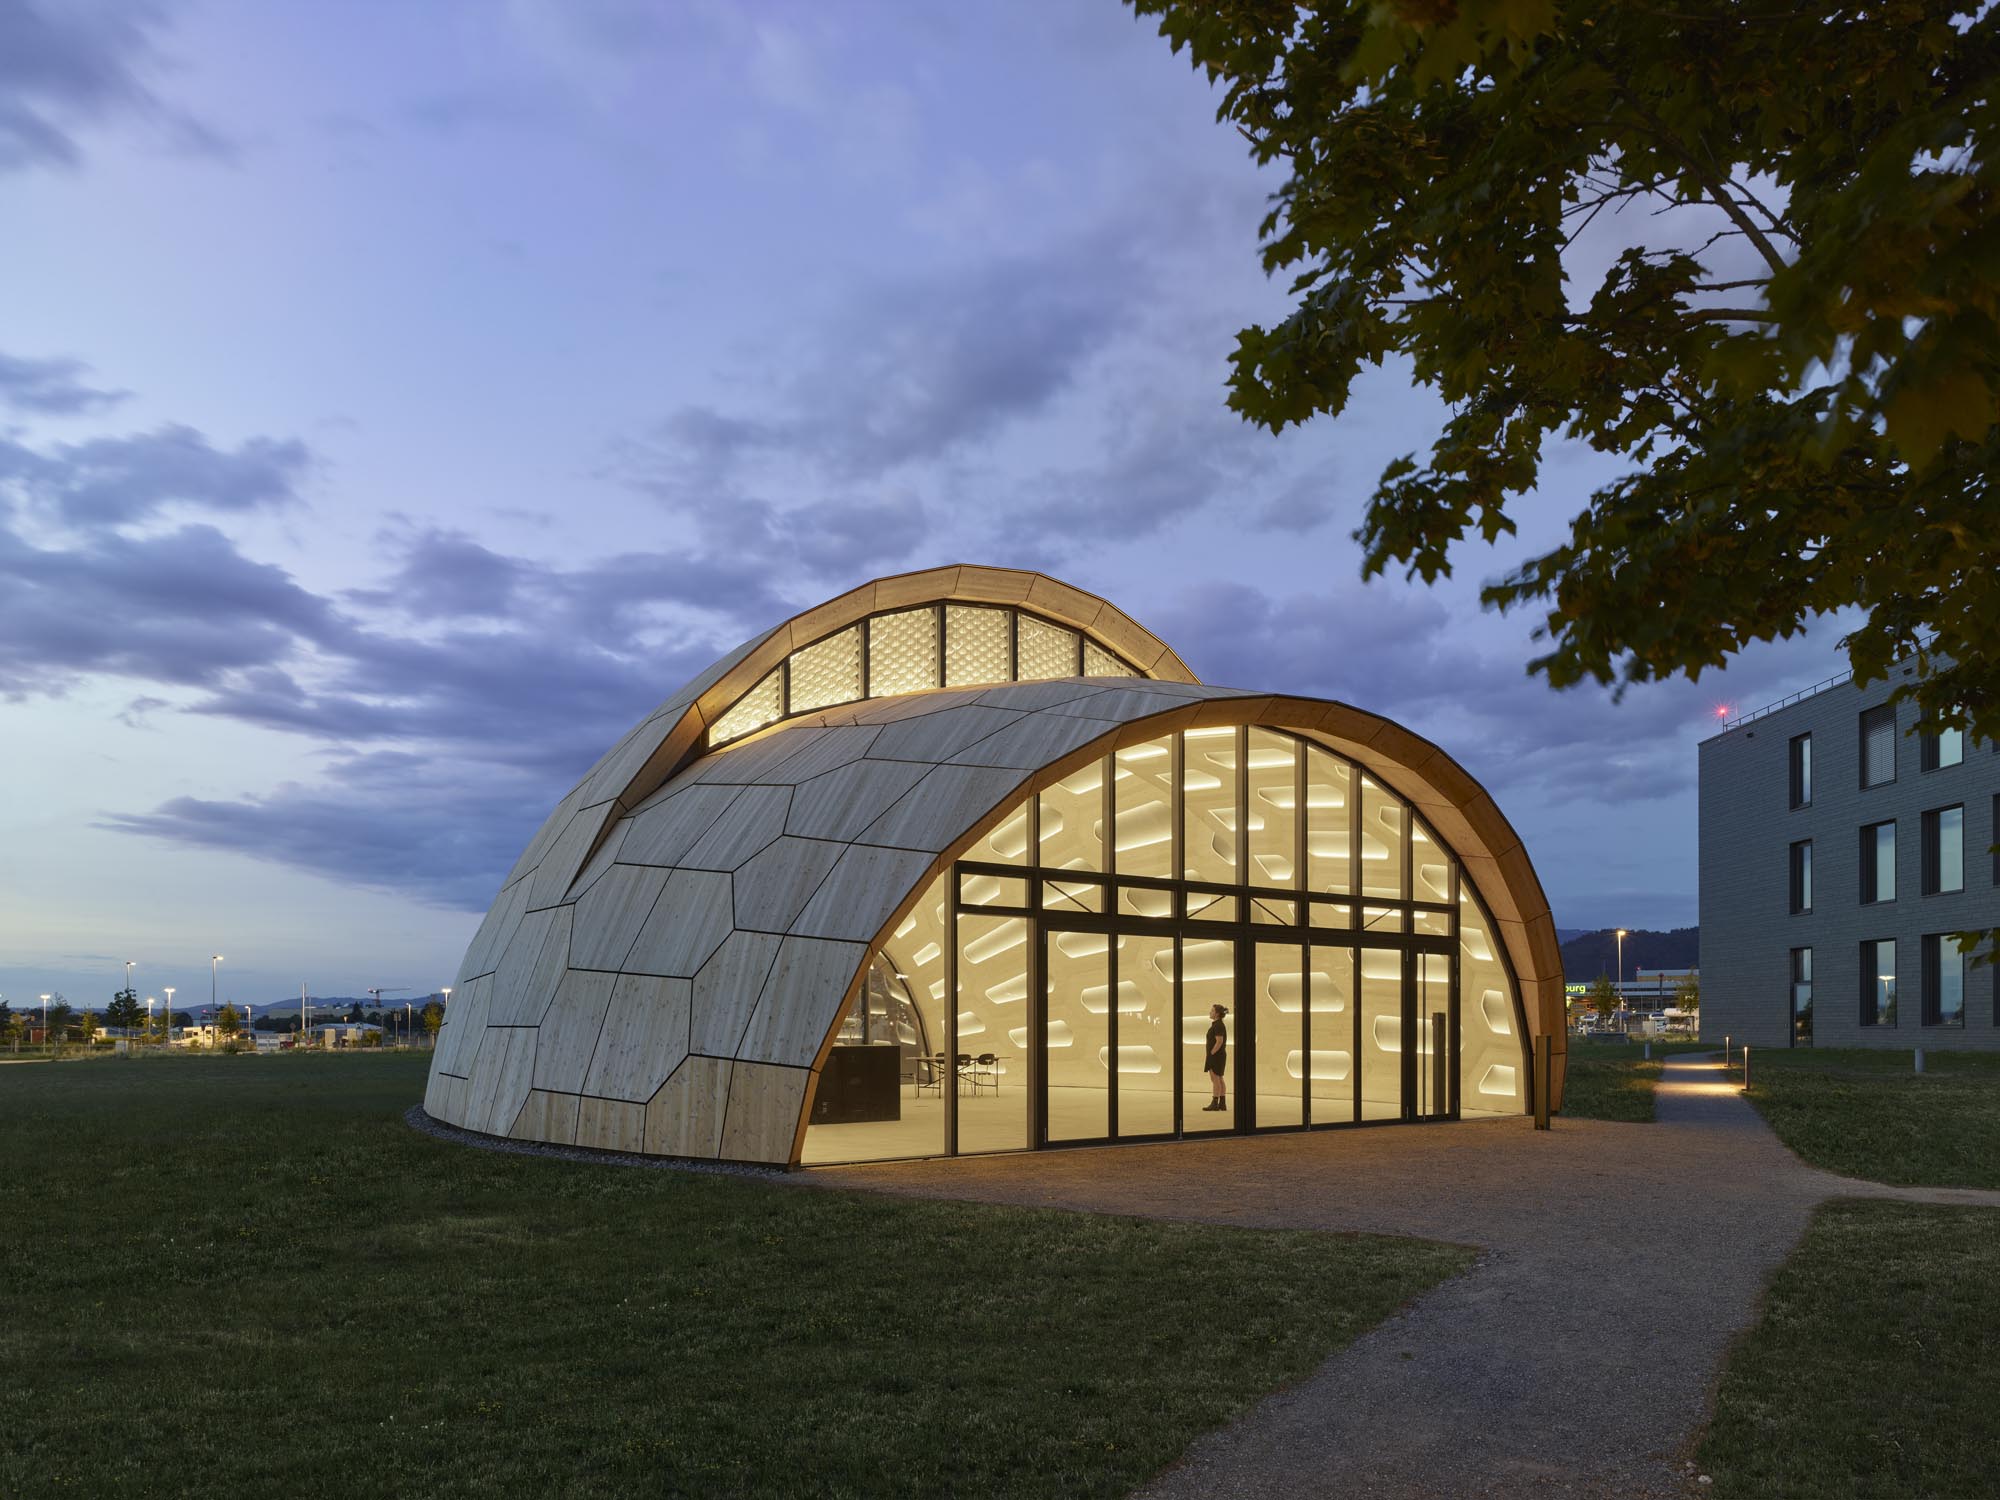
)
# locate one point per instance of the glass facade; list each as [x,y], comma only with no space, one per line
[909,650]
[1060,982]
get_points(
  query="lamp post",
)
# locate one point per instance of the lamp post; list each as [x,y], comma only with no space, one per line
[214,1020]
[149,1016]
[167,1030]
[447,999]
[45,1021]
[1621,968]
[128,976]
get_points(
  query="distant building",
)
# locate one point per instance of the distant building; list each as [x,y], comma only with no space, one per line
[1841,847]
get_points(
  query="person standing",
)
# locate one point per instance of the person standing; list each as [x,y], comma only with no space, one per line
[1218,1057]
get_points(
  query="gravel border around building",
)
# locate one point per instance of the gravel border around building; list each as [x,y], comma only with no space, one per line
[417,1119]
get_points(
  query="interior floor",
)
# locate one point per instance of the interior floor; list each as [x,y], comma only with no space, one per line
[998,1121]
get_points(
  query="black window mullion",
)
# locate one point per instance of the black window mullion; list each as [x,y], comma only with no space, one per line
[1243,807]
[1111,1032]
[1355,800]
[1177,812]
[1305,921]
[1180,1046]
[951,1022]
[1038,1035]
[1455,1072]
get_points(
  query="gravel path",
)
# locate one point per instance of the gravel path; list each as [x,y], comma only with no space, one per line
[1576,1358]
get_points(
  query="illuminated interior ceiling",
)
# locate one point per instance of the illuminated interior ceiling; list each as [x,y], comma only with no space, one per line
[668,963]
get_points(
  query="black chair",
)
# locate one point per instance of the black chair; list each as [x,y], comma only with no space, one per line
[962,1070]
[986,1070]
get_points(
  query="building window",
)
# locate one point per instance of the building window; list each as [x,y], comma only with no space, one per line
[1944,981]
[1801,770]
[1878,983]
[1878,745]
[1802,1025]
[1944,850]
[1946,747]
[1802,876]
[1878,863]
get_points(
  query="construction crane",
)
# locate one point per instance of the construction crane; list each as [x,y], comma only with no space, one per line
[376,993]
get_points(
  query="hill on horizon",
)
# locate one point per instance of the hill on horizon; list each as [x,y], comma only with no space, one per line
[1594,953]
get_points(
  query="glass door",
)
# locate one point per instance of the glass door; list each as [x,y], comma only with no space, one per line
[1075,1035]
[1208,979]
[1275,1014]
[1427,1023]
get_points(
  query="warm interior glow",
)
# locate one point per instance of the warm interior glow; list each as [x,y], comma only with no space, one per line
[1324,999]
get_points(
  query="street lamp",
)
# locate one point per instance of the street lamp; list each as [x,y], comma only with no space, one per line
[128,976]
[167,1031]
[214,1020]
[447,999]
[150,999]
[45,1020]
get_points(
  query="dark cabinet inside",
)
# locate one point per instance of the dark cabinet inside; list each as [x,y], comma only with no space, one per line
[860,1083]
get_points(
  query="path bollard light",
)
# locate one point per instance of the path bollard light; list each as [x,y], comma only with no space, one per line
[1746,1067]
[1725,1049]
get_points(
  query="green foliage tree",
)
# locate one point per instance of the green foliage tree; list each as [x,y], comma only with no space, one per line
[229,1022]
[125,1010]
[87,1028]
[1603,998]
[1687,994]
[1800,359]
[433,1018]
[61,1017]
[354,1016]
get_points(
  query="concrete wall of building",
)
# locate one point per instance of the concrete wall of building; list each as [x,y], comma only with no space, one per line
[1747,828]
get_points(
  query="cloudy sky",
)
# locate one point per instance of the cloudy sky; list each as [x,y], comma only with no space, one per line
[396,402]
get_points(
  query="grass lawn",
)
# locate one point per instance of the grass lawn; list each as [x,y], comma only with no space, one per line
[1609,1080]
[1869,1114]
[248,1276]
[1873,1369]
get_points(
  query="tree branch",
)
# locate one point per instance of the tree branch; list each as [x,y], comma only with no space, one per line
[1729,315]
[1714,188]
